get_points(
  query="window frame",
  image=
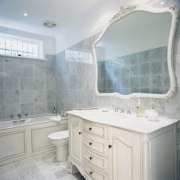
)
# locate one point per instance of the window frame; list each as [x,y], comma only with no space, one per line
[26,40]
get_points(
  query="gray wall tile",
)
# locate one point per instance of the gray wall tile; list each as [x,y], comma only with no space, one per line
[12,109]
[51,95]
[50,83]
[27,96]
[12,97]
[12,83]
[2,83]
[51,106]
[27,109]
[40,108]
[40,96]
[26,84]
[39,71]
[26,70]
[23,83]
[11,69]
[51,60]
[39,83]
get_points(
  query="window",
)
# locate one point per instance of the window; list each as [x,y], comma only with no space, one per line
[78,56]
[19,46]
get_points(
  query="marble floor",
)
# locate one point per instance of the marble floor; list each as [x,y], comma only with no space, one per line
[41,167]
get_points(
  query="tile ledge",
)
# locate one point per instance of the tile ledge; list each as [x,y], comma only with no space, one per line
[22,57]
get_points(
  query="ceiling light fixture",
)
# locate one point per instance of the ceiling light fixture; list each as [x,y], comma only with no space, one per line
[49,24]
[162,2]
[25,14]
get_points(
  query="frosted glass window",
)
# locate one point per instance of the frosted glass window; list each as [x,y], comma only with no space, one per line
[19,46]
[78,56]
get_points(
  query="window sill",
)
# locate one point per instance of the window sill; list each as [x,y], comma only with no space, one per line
[22,57]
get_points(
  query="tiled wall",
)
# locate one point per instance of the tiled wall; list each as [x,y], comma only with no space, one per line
[75,80]
[76,86]
[144,72]
[27,86]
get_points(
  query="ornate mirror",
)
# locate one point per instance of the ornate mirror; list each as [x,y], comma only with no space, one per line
[134,54]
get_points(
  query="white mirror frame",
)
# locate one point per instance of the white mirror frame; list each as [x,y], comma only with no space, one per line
[124,11]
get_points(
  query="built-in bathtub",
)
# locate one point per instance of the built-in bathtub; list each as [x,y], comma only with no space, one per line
[23,138]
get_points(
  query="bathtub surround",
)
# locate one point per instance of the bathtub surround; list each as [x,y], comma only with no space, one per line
[25,139]
[27,86]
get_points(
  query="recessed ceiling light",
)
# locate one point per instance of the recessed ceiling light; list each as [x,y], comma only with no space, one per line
[162,2]
[25,14]
[49,24]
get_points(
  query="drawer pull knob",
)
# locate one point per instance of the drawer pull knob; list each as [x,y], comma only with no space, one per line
[91,173]
[90,158]
[110,146]
[80,132]
[90,128]
[90,143]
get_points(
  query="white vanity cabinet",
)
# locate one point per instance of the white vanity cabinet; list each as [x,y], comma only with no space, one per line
[109,152]
[138,156]
[95,151]
[124,155]
[75,140]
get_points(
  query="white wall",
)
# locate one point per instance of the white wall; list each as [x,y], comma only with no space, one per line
[96,21]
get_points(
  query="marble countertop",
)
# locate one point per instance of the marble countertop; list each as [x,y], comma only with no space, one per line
[125,121]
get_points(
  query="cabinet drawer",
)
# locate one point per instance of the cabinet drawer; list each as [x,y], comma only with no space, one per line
[96,129]
[95,160]
[93,174]
[74,119]
[95,145]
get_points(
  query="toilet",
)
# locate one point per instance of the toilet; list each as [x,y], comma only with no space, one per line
[60,140]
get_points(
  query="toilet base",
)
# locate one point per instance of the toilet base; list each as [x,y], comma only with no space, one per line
[62,152]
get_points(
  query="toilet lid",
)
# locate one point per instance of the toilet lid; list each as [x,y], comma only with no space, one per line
[59,135]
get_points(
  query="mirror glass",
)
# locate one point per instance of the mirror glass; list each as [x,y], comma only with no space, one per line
[132,54]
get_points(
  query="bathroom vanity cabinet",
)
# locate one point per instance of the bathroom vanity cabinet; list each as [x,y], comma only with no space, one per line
[75,140]
[104,151]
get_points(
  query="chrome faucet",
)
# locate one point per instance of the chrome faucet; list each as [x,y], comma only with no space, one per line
[128,111]
[11,116]
[115,108]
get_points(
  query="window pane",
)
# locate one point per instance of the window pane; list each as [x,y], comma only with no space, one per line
[19,47]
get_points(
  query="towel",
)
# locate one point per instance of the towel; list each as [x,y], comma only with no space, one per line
[55,118]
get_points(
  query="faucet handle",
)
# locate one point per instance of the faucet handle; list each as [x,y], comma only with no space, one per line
[120,110]
[115,108]
[128,111]
[11,116]
[19,115]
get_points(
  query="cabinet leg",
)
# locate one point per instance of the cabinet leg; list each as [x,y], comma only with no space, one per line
[70,167]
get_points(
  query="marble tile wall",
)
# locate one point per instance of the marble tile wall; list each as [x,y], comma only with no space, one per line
[27,86]
[76,85]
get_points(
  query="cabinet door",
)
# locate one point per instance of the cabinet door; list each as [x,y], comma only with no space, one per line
[75,139]
[124,155]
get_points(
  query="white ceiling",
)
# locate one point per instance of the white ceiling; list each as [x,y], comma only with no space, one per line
[63,12]
[76,19]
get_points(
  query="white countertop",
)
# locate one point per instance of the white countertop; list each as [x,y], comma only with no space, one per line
[124,121]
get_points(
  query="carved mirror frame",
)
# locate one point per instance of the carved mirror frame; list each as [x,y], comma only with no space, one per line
[125,11]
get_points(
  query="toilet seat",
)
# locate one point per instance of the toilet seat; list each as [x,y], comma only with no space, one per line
[59,135]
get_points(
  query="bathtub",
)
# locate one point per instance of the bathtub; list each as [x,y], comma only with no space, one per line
[23,138]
